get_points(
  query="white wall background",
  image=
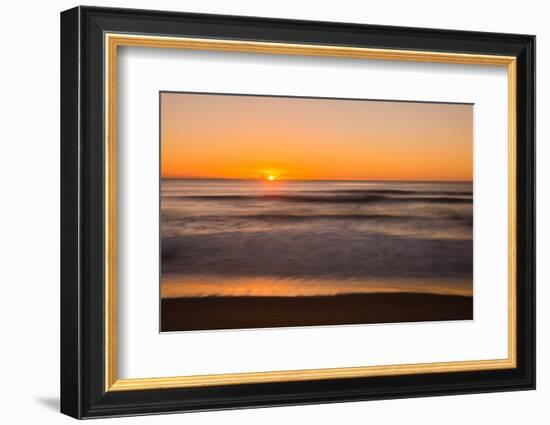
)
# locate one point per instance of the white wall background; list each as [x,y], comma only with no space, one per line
[29,216]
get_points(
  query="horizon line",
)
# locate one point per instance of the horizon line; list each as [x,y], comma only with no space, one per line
[306,179]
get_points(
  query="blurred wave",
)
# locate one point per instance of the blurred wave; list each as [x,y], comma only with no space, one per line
[345,197]
[315,233]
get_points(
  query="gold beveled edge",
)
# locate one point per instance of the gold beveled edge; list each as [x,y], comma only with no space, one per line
[302,49]
[512,213]
[110,214]
[112,41]
[306,375]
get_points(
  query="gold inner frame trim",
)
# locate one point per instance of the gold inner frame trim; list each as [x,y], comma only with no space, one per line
[112,41]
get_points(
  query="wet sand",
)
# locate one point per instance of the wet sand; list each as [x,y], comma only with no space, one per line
[205,313]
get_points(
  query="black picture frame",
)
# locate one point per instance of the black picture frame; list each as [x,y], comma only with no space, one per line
[83,392]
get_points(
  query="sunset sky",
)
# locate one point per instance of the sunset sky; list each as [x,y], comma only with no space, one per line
[221,136]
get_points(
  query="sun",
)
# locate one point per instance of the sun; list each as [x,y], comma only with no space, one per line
[271,177]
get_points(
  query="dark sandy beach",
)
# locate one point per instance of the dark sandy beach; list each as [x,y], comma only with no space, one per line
[200,313]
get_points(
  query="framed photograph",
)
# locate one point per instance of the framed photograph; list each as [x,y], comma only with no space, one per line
[260,212]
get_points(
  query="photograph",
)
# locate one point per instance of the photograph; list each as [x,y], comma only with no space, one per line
[279,211]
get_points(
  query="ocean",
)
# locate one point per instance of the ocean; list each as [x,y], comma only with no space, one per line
[292,238]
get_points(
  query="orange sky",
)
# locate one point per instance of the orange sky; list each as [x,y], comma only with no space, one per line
[217,136]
